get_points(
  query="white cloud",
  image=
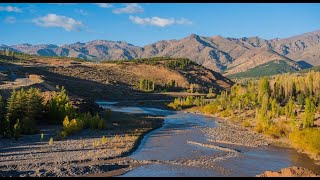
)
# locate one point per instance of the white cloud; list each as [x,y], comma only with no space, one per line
[10,9]
[10,20]
[81,12]
[104,5]
[130,8]
[183,21]
[157,21]
[54,20]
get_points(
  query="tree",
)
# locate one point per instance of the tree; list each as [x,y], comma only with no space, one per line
[27,107]
[141,84]
[15,108]
[263,117]
[2,116]
[308,116]
[263,88]
[289,108]
[275,107]
[60,106]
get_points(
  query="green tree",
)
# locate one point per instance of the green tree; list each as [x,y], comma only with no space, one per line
[308,116]
[289,108]
[2,116]
[263,88]
[141,84]
[60,106]
[263,116]
[275,107]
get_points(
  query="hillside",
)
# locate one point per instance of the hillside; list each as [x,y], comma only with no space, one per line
[121,79]
[267,69]
[230,55]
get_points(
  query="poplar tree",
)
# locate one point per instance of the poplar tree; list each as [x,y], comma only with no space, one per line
[308,116]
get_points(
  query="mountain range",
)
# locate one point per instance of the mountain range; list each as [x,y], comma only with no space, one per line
[226,55]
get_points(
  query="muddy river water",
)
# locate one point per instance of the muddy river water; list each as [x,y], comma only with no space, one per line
[172,154]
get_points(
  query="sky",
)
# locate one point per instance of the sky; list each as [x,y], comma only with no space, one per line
[145,23]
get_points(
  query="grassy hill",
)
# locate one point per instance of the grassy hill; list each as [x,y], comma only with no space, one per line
[267,69]
[126,79]
[315,68]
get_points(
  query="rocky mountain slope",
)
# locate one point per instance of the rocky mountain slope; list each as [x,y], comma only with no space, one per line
[227,55]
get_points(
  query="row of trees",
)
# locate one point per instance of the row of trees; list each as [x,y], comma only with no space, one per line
[293,97]
[183,102]
[146,85]
[179,64]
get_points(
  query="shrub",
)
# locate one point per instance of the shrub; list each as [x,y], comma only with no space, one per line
[174,106]
[104,140]
[274,131]
[226,113]
[246,124]
[259,128]
[85,120]
[306,139]
[51,141]
[210,109]
[41,136]
[95,143]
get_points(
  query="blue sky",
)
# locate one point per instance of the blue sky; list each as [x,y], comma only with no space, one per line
[141,24]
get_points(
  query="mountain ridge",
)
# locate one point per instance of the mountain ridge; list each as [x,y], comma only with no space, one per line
[230,55]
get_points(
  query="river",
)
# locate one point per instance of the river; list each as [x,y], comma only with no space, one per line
[172,154]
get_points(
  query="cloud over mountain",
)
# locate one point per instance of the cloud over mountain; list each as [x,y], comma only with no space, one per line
[54,20]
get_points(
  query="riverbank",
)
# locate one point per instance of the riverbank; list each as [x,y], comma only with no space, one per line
[233,132]
[81,154]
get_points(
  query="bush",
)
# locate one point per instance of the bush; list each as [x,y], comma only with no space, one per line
[85,120]
[104,140]
[41,136]
[210,109]
[274,131]
[226,113]
[246,124]
[174,106]
[51,141]
[307,140]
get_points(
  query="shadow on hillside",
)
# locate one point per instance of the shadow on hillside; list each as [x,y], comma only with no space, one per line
[219,86]
[92,90]
[304,64]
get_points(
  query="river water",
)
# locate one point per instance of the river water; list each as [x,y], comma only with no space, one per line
[172,154]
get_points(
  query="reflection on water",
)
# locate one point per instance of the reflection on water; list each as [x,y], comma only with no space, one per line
[169,146]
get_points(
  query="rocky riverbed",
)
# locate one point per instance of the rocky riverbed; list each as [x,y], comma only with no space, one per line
[80,154]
